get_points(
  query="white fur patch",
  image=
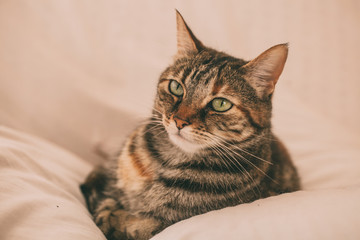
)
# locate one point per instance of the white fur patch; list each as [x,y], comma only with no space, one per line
[183,138]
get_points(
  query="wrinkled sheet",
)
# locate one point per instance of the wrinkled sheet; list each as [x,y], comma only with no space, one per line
[39,191]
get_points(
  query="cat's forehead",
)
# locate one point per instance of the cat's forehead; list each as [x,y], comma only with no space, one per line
[211,74]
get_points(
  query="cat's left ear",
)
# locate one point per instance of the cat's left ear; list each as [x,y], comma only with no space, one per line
[264,71]
[187,43]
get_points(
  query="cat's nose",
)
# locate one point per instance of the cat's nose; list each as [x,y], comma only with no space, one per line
[180,123]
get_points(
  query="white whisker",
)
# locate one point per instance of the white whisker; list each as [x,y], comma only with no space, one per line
[224,151]
[232,152]
[240,149]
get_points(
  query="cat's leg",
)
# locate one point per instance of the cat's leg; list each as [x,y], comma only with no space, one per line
[118,224]
[94,187]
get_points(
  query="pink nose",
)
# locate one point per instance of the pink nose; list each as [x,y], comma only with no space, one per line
[180,124]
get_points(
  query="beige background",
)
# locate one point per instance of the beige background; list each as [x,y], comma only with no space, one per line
[70,69]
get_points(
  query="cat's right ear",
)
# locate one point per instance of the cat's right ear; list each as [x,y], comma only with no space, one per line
[264,71]
[187,43]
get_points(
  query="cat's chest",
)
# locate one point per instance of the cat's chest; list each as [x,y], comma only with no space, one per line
[135,168]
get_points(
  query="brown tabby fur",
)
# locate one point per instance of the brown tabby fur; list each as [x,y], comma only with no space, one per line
[189,158]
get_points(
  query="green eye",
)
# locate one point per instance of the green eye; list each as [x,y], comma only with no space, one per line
[221,104]
[175,88]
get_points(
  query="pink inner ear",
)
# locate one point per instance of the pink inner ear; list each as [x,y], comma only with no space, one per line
[265,70]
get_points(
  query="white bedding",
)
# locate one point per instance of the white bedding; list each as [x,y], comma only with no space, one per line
[39,191]
[77,74]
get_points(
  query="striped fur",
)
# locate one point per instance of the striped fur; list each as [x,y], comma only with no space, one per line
[189,158]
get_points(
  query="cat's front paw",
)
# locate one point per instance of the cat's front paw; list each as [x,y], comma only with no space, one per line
[103,214]
[118,224]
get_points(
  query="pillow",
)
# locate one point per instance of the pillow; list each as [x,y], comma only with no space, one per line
[39,191]
[323,214]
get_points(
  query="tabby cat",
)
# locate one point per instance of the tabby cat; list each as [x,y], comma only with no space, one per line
[208,144]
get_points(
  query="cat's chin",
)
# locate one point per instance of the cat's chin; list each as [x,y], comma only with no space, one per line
[184,144]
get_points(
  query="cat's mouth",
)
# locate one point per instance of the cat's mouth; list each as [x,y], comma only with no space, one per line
[179,135]
[183,142]
[182,138]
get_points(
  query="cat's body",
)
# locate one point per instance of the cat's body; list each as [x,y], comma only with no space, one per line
[207,146]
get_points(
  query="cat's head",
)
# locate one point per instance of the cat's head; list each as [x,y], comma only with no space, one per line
[206,97]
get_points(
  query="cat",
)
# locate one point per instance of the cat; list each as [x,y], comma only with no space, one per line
[208,144]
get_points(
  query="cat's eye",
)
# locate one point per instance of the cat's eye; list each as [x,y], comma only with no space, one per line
[221,104]
[175,88]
